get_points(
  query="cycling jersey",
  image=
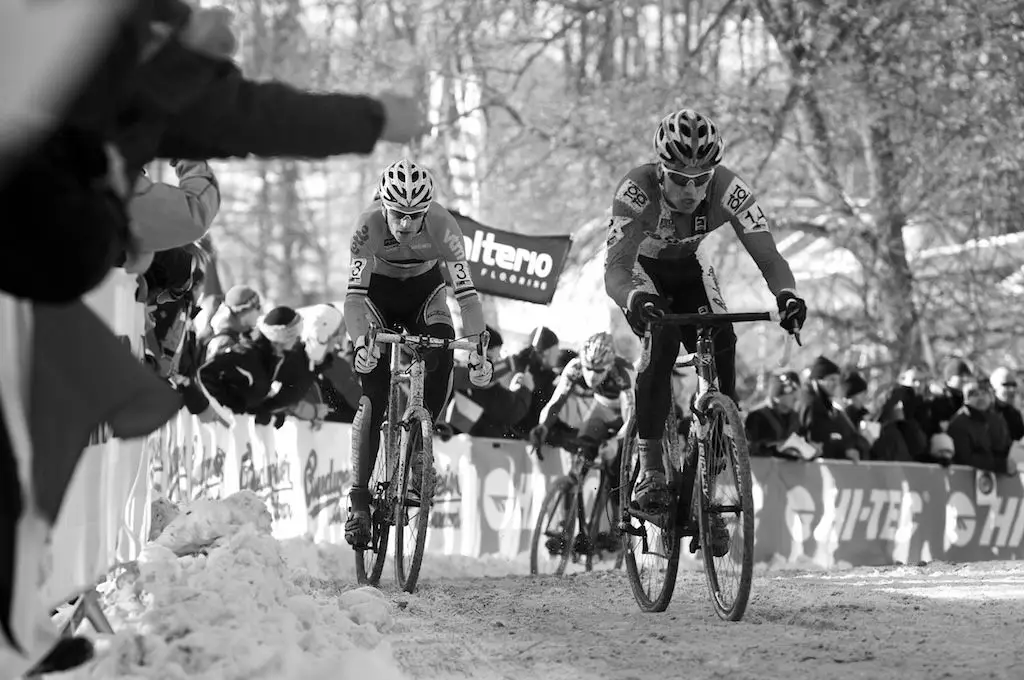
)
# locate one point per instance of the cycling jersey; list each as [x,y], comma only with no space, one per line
[375,252]
[617,381]
[642,224]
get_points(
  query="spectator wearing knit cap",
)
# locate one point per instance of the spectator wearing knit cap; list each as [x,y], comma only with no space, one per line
[264,373]
[955,372]
[821,423]
[769,425]
[236,316]
[539,359]
[855,394]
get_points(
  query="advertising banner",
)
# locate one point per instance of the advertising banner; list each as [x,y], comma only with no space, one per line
[489,493]
[512,265]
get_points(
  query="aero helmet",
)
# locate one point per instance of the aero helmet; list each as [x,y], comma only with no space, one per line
[687,139]
[406,187]
[597,352]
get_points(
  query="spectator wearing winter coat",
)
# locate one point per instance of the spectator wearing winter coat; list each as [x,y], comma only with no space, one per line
[165,216]
[974,440]
[820,422]
[769,425]
[502,406]
[236,317]
[908,407]
[943,405]
[539,359]
[1004,384]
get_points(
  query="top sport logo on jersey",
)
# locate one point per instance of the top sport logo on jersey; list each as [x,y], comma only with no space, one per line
[631,195]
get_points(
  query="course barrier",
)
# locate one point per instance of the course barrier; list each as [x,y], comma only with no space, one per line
[489,491]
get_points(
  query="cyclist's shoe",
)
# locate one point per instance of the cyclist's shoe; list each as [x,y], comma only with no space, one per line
[719,537]
[608,541]
[357,529]
[652,493]
[582,545]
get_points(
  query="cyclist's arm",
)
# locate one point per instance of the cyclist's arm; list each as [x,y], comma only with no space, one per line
[753,228]
[549,414]
[623,276]
[361,267]
[447,238]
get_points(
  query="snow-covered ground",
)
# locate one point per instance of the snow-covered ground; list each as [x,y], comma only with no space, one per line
[215,596]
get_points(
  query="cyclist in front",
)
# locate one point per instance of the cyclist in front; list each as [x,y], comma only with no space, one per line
[661,213]
[395,279]
[598,370]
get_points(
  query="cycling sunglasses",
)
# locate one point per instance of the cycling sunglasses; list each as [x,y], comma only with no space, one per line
[682,178]
[398,215]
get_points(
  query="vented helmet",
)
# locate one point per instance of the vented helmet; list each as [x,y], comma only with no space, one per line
[598,352]
[405,187]
[688,140]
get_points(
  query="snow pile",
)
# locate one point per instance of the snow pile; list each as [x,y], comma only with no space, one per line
[232,607]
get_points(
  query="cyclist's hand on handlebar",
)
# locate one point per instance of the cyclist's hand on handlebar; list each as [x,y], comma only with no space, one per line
[366,356]
[644,307]
[792,311]
[480,370]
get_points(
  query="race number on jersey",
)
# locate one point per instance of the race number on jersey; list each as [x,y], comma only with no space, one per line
[735,195]
[631,195]
[461,277]
[358,266]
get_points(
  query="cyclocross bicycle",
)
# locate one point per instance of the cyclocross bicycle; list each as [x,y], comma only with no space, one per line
[711,483]
[565,533]
[402,483]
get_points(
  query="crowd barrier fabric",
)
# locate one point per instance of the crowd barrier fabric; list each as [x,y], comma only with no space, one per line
[489,493]
[105,515]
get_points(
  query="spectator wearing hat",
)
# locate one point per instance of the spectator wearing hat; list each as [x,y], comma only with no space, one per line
[855,395]
[772,423]
[539,359]
[955,372]
[236,317]
[264,373]
[908,406]
[820,422]
[975,441]
[1004,384]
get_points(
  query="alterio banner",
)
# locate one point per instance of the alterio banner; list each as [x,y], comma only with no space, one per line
[513,265]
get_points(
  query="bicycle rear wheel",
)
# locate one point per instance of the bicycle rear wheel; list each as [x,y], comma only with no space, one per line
[650,546]
[412,505]
[726,500]
[553,535]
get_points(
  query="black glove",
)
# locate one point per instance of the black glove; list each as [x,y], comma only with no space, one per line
[279,420]
[792,311]
[638,316]
[262,417]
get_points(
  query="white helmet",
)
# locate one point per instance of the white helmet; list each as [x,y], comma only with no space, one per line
[687,139]
[405,187]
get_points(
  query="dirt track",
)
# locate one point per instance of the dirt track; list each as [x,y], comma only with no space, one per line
[939,621]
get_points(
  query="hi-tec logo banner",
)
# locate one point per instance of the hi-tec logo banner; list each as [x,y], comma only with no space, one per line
[513,265]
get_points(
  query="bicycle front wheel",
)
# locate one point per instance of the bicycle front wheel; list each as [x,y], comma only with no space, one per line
[370,562]
[650,545]
[726,504]
[552,544]
[412,506]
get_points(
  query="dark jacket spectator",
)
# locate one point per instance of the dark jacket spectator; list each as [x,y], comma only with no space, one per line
[821,423]
[1004,383]
[539,359]
[906,406]
[945,404]
[974,440]
[773,422]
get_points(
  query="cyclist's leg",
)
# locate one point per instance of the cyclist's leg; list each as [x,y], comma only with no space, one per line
[653,400]
[373,406]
